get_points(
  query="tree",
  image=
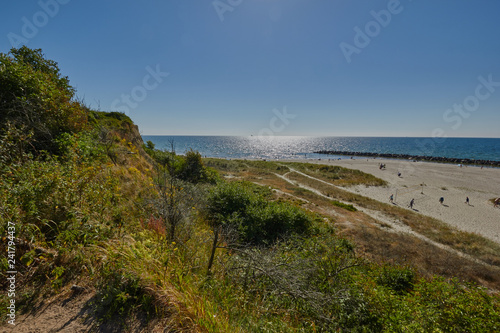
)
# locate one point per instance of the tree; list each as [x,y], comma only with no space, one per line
[175,196]
[192,169]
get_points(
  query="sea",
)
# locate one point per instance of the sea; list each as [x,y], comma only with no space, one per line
[300,147]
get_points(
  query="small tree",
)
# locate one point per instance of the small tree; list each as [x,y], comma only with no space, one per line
[192,169]
[176,197]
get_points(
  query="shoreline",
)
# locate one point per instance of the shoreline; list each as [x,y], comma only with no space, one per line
[434,159]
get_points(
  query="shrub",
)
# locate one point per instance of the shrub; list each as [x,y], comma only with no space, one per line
[189,168]
[257,220]
[398,279]
[120,295]
[192,168]
[439,306]
[62,203]
[34,94]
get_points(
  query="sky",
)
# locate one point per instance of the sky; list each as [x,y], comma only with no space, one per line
[422,68]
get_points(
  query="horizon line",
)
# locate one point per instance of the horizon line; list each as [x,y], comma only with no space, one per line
[330,136]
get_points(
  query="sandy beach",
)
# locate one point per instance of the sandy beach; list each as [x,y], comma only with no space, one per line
[427,183]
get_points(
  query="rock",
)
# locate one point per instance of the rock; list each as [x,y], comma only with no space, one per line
[413,157]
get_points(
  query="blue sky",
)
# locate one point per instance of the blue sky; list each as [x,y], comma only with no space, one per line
[281,67]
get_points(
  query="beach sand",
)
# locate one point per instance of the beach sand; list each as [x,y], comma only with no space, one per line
[427,182]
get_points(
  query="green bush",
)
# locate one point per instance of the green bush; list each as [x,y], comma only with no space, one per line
[82,148]
[34,94]
[120,294]
[257,220]
[189,168]
[192,168]
[398,279]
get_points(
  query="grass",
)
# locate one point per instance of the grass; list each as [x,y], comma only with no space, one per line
[337,175]
[343,205]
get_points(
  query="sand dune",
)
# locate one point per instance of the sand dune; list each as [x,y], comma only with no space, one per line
[427,182]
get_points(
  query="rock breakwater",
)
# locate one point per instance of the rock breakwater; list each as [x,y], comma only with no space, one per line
[465,161]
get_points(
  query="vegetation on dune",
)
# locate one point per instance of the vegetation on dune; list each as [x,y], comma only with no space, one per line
[163,240]
[337,175]
[38,99]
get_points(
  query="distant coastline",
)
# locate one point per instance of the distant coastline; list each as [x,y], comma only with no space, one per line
[464,161]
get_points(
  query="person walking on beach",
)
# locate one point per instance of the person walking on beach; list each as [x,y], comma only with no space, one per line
[496,203]
[412,202]
[391,198]
[467,201]
[441,200]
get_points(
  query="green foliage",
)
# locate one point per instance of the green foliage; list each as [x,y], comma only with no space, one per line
[120,294]
[192,168]
[62,203]
[35,59]
[228,199]
[349,207]
[189,167]
[227,165]
[439,306]
[13,142]
[57,280]
[33,94]
[112,120]
[309,283]
[399,279]
[81,148]
[257,220]
[150,145]
[263,224]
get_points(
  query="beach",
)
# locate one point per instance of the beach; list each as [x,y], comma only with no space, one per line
[427,182]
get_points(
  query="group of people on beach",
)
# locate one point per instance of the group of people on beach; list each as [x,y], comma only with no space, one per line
[441,201]
[496,202]
[382,166]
